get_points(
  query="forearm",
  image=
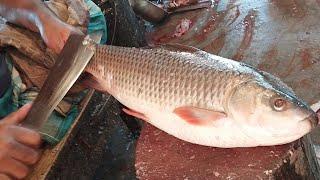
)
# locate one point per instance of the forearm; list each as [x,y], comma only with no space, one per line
[28,13]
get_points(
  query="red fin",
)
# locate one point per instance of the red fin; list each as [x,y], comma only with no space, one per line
[198,116]
[135,114]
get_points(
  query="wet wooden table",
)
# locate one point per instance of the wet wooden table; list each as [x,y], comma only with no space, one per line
[279,36]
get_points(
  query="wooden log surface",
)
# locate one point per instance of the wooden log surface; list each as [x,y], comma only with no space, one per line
[161,156]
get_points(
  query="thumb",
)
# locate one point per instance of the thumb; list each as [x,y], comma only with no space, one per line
[18,116]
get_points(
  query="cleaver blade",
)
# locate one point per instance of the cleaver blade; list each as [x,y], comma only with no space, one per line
[71,62]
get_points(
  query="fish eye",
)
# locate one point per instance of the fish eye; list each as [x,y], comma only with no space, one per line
[279,104]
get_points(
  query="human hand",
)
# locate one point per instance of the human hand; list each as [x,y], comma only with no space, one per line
[35,16]
[19,146]
[55,33]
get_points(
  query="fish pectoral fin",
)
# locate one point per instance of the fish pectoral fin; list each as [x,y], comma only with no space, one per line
[198,116]
[135,114]
[88,80]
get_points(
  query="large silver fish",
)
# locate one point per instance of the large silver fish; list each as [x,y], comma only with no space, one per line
[201,98]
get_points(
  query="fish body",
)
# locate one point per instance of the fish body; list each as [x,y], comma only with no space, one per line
[201,98]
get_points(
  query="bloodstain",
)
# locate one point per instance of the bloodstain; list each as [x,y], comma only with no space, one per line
[155,147]
[292,7]
[249,22]
[163,38]
[306,58]
[235,17]
[318,1]
[297,10]
[290,67]
[208,28]
[271,53]
[269,61]
[305,83]
[217,44]
[165,34]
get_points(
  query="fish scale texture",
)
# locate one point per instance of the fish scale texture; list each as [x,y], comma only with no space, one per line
[165,78]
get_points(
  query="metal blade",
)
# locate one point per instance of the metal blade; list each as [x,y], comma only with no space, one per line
[72,60]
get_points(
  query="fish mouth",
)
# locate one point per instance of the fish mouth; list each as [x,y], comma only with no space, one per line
[312,119]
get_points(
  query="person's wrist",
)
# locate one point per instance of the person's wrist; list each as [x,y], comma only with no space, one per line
[32,5]
[44,16]
[42,12]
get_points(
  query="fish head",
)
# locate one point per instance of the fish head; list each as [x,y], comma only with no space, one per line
[269,115]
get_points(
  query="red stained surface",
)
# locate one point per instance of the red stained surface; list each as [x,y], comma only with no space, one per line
[165,33]
[295,8]
[306,58]
[161,156]
[182,28]
[269,61]
[249,21]
[236,15]
[210,26]
[217,44]
[164,38]
[290,67]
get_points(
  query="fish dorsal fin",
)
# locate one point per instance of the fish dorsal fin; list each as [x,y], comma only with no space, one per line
[174,47]
[180,47]
[198,116]
[184,48]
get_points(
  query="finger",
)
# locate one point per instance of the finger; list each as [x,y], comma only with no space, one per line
[57,44]
[13,167]
[23,153]
[92,82]
[69,29]
[18,116]
[25,136]
[61,44]
[4,177]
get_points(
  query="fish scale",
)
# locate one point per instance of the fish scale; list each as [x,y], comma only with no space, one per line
[144,75]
